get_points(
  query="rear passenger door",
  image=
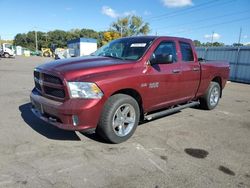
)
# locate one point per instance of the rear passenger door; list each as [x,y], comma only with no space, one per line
[190,68]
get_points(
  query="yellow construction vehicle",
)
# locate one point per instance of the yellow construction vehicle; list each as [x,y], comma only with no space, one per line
[46,52]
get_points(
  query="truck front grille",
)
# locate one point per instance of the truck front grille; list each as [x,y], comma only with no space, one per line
[54,92]
[52,79]
[49,85]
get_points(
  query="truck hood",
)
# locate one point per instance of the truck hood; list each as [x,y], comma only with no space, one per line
[73,68]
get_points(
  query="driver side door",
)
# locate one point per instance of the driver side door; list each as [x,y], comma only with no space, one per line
[163,78]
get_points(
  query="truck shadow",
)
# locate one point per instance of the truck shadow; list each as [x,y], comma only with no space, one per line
[43,128]
[94,136]
[52,132]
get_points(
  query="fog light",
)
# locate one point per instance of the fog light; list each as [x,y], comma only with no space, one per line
[75,120]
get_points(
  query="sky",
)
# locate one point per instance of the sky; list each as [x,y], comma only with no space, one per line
[195,19]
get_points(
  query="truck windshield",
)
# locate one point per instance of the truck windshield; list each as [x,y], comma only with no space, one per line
[125,48]
[8,46]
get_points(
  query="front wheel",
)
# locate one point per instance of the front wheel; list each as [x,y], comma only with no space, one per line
[119,118]
[46,54]
[211,99]
[6,55]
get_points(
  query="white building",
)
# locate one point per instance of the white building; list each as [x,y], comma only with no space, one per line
[83,46]
[19,50]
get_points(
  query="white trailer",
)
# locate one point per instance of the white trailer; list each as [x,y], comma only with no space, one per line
[83,46]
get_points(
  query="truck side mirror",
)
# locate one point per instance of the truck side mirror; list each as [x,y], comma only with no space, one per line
[152,59]
[161,59]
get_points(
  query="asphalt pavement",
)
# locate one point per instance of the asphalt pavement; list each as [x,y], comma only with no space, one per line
[191,148]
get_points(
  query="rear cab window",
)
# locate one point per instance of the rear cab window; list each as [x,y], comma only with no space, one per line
[186,52]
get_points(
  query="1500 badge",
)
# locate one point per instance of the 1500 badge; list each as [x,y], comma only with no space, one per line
[150,85]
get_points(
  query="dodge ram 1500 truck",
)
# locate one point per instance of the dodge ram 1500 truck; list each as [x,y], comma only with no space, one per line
[128,80]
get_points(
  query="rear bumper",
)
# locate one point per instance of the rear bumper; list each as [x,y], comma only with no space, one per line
[60,114]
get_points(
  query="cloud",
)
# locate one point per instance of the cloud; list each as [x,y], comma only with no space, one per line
[177,3]
[215,36]
[68,8]
[245,37]
[109,12]
[147,13]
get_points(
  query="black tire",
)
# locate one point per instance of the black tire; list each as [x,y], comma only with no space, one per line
[211,99]
[46,54]
[114,106]
[6,55]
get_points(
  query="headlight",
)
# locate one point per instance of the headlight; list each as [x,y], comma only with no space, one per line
[85,90]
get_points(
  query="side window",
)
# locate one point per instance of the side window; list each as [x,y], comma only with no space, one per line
[166,48]
[186,51]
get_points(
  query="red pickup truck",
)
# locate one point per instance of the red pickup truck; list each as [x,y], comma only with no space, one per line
[126,81]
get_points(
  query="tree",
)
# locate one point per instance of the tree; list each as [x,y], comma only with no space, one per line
[216,44]
[20,39]
[197,43]
[130,26]
[108,36]
[89,33]
[57,37]
[237,44]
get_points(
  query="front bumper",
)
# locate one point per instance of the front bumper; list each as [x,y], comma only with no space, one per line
[60,114]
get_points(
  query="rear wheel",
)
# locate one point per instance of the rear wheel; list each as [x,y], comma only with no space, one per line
[119,118]
[211,99]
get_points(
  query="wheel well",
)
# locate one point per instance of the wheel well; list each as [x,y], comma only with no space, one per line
[218,80]
[133,93]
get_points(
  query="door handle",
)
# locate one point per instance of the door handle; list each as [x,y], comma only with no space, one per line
[175,71]
[196,69]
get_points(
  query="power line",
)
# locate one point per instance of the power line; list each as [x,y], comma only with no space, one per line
[190,10]
[206,19]
[178,11]
[212,25]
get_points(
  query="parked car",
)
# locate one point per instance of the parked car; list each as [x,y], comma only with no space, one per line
[127,80]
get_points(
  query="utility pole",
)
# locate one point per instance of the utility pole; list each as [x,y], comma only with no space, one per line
[36,40]
[212,38]
[239,36]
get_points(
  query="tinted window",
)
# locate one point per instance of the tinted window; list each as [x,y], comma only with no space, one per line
[186,52]
[125,48]
[166,48]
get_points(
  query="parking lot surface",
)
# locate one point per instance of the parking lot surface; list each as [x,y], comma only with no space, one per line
[191,148]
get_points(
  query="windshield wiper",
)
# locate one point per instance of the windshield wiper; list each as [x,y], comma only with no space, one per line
[113,57]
